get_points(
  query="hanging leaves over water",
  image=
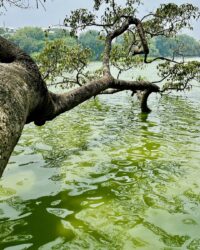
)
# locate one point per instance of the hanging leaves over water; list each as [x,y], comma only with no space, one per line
[179,75]
[60,59]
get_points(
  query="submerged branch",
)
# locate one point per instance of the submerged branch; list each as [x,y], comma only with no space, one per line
[69,100]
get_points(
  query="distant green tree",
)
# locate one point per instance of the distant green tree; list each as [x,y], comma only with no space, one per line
[154,51]
[57,33]
[60,34]
[191,47]
[91,40]
[181,45]
[2,31]
[30,39]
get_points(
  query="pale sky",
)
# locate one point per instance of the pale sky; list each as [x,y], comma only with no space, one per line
[56,10]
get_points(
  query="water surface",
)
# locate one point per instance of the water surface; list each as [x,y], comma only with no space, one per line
[104,176]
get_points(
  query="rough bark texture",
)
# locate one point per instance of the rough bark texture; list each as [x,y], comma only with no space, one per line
[25,98]
[22,91]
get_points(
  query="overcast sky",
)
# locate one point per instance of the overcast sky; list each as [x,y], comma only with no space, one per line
[56,10]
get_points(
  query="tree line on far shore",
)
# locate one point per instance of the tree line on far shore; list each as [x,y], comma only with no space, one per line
[33,40]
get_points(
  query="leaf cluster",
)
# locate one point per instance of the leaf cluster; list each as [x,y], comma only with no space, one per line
[112,17]
[60,59]
[179,76]
[79,19]
[170,18]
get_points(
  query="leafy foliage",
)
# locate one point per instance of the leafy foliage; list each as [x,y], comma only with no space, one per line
[30,39]
[170,18]
[112,17]
[60,59]
[179,75]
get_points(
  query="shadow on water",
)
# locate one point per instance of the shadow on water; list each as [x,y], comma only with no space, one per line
[104,176]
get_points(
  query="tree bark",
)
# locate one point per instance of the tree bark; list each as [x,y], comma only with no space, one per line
[24,96]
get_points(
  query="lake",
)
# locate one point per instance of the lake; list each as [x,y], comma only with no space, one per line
[105,176]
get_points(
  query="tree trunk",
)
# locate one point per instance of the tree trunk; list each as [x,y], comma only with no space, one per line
[22,92]
[17,100]
[25,98]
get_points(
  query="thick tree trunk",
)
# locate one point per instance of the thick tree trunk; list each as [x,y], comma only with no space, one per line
[15,98]
[19,98]
[25,98]
[22,92]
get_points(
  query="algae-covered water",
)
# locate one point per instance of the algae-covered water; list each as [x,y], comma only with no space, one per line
[103,176]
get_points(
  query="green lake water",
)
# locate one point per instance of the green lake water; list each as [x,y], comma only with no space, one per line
[104,176]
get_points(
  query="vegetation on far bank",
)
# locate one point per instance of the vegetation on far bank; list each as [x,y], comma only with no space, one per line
[34,39]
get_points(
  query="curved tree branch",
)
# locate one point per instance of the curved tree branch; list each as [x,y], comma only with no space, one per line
[117,32]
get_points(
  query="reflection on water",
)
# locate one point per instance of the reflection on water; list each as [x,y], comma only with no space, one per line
[103,176]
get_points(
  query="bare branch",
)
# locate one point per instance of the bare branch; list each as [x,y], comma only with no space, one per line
[161,58]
